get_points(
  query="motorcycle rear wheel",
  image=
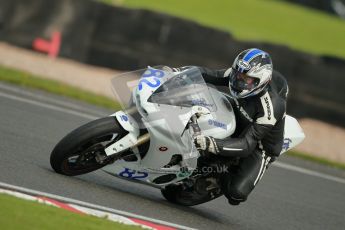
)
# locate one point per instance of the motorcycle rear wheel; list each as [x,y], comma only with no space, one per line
[76,153]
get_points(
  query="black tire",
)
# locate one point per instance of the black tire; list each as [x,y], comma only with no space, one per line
[89,137]
[169,193]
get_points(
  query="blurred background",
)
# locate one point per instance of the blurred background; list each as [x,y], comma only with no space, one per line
[85,42]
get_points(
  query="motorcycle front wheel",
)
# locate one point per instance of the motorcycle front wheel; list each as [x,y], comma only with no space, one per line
[80,151]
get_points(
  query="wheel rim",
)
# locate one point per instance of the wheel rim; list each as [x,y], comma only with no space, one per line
[84,158]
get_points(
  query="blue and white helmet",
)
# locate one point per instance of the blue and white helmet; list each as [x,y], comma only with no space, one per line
[250,73]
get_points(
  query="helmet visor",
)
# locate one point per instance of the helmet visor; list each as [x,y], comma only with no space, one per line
[241,81]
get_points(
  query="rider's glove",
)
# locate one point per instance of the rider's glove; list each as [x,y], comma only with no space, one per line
[206,143]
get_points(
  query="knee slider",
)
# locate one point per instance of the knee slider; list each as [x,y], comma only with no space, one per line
[237,194]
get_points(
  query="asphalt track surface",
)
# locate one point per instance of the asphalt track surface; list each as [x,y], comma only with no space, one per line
[32,122]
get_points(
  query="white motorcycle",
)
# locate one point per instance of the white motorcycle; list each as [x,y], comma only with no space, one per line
[151,141]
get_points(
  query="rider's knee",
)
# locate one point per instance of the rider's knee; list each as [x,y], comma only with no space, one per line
[238,194]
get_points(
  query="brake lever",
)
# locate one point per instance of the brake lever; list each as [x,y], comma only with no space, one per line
[195,126]
[196,131]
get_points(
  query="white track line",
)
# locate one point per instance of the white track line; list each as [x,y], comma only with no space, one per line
[67,104]
[48,106]
[308,172]
[89,205]
[91,117]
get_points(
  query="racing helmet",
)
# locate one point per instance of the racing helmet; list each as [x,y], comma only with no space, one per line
[250,73]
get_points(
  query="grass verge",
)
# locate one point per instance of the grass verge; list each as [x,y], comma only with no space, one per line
[271,21]
[28,80]
[31,81]
[315,159]
[17,213]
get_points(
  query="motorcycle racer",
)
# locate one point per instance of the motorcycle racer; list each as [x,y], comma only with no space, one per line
[258,95]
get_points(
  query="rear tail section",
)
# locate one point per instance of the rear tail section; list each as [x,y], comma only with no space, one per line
[293,134]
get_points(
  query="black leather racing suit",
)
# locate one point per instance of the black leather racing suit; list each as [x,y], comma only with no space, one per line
[258,137]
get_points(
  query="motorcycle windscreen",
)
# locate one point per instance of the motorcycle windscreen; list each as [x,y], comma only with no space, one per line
[123,86]
[184,89]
